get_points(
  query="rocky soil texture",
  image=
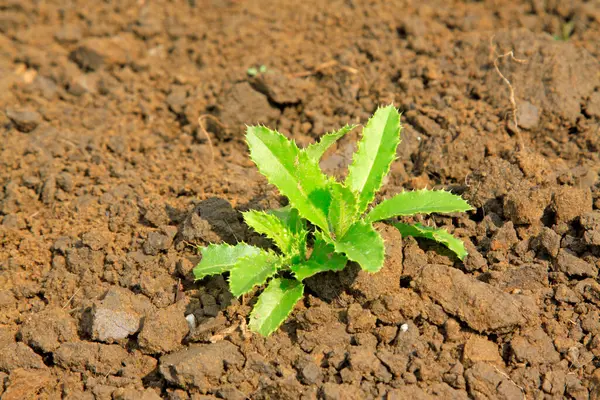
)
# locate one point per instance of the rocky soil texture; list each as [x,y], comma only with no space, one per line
[107,184]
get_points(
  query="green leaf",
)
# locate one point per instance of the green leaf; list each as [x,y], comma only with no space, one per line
[439,235]
[297,226]
[376,151]
[275,229]
[418,202]
[316,150]
[290,217]
[297,177]
[219,258]
[323,258]
[342,210]
[364,245]
[274,305]
[253,271]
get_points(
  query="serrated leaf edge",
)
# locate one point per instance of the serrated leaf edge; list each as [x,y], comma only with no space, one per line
[471,208]
[461,256]
[261,170]
[309,149]
[381,254]
[215,245]
[269,276]
[363,207]
[255,308]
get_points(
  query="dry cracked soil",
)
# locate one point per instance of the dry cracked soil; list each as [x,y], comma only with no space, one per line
[108,183]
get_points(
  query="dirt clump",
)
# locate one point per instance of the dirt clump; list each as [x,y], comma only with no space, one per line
[109,182]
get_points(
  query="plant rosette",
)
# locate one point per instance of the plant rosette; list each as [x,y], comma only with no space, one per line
[333,218]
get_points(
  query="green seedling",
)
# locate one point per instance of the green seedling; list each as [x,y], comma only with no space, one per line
[327,222]
[253,71]
[566,30]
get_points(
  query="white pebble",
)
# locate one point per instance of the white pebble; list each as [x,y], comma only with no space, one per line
[191,320]
[404,327]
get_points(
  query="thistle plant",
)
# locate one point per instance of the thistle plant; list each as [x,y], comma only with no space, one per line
[327,223]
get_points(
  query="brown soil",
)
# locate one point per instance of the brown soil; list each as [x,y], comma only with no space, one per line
[107,183]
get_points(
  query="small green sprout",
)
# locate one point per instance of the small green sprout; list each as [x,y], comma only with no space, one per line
[253,71]
[566,30]
[341,222]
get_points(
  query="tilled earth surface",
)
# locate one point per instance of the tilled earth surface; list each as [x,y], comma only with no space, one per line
[107,184]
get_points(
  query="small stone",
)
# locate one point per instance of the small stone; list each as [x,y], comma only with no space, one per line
[160,240]
[191,321]
[83,260]
[176,99]
[96,240]
[550,241]
[49,190]
[200,366]
[25,120]
[156,214]
[62,244]
[479,349]
[32,182]
[96,52]
[591,223]
[386,334]
[47,330]
[504,238]
[590,290]
[474,261]
[481,306]
[195,228]
[534,347]
[526,205]
[452,330]
[19,355]
[363,362]
[25,384]
[185,267]
[571,202]
[7,299]
[565,294]
[592,108]
[554,382]
[396,363]
[117,315]
[46,86]
[102,359]
[245,105]
[572,265]
[280,88]
[485,381]
[359,319]
[528,115]
[310,373]
[64,180]
[163,331]
[14,221]
[591,322]
[575,388]
[82,84]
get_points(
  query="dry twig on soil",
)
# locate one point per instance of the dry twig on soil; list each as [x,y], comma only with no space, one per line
[205,132]
[511,89]
[323,66]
